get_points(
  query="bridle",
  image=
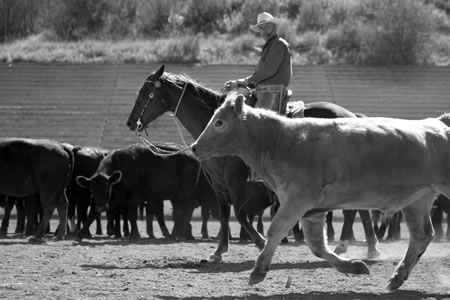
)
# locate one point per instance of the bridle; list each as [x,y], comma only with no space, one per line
[155,149]
[152,147]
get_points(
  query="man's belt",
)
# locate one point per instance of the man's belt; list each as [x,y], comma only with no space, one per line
[276,88]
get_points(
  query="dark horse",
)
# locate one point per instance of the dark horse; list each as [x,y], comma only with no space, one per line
[194,105]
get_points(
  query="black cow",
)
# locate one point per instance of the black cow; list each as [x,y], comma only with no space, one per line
[389,223]
[440,205]
[87,160]
[134,175]
[30,166]
[8,203]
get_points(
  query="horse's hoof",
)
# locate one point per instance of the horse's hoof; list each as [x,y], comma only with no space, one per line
[215,258]
[260,244]
[256,278]
[373,254]
[338,250]
[341,247]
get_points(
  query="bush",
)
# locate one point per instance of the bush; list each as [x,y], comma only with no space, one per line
[152,18]
[77,19]
[345,41]
[205,16]
[17,18]
[402,32]
[185,49]
[312,16]
[397,34]
[121,21]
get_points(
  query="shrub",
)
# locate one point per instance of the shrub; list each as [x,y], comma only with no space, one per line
[182,49]
[121,21]
[77,19]
[152,17]
[345,41]
[17,18]
[402,28]
[396,35]
[312,16]
[205,16]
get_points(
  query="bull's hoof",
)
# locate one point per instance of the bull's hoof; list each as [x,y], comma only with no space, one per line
[373,254]
[35,240]
[359,267]
[59,238]
[260,244]
[394,283]
[135,238]
[215,258]
[256,277]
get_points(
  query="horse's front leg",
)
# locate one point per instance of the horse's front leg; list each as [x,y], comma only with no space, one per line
[256,237]
[346,233]
[313,229]
[371,238]
[224,232]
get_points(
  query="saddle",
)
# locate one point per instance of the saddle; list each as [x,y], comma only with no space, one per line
[295,109]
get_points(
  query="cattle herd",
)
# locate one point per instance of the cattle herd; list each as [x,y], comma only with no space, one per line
[122,182]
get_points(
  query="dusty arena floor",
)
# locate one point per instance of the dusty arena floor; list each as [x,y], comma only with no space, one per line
[104,268]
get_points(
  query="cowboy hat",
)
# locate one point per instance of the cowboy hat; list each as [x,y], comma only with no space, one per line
[264,18]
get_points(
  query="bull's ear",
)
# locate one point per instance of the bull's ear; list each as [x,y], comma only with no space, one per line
[159,72]
[115,177]
[239,106]
[83,182]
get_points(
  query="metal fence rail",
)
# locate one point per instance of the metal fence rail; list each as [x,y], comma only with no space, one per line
[89,104]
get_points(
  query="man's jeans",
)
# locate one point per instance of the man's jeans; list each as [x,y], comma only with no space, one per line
[272,97]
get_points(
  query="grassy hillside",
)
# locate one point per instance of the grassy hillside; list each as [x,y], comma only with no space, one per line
[365,32]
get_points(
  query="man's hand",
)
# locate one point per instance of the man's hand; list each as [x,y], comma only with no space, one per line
[234,84]
[231,85]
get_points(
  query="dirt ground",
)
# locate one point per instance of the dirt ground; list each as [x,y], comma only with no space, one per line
[104,268]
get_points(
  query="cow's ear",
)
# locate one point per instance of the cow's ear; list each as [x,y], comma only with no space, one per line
[116,176]
[239,106]
[83,182]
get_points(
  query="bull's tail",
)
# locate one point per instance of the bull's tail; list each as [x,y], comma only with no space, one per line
[445,118]
[71,153]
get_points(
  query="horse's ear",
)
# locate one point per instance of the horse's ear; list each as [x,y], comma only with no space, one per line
[159,72]
[239,106]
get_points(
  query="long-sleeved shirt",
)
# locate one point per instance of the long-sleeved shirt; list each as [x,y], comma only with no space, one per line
[274,66]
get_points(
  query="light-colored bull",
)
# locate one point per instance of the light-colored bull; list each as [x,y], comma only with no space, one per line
[316,165]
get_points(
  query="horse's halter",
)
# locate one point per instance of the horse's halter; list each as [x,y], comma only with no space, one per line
[151,95]
[153,148]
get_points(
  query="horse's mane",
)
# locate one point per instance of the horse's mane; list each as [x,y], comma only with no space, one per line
[210,97]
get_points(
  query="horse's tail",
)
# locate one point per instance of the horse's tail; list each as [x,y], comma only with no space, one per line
[445,118]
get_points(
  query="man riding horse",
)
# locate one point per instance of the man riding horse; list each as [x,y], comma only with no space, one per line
[273,72]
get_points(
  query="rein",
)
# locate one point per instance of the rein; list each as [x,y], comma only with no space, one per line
[152,147]
[165,153]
